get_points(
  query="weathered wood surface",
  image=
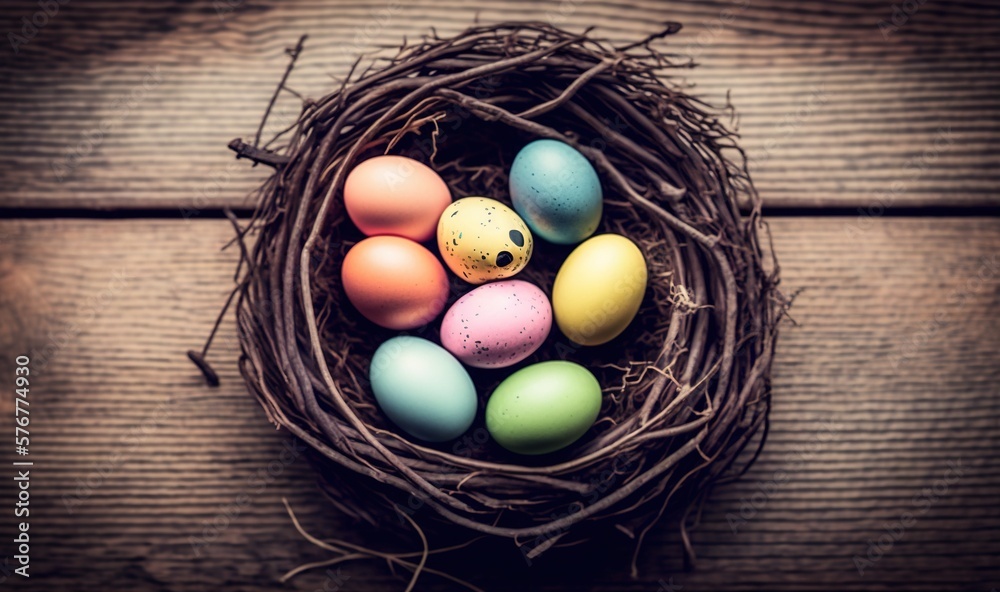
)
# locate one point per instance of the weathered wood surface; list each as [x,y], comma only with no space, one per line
[131,105]
[891,374]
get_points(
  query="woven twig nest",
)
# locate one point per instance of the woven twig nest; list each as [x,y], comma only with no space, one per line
[686,387]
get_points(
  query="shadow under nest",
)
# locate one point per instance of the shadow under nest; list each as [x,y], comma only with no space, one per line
[686,386]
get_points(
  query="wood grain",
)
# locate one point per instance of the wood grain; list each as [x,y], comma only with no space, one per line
[890,374]
[831,111]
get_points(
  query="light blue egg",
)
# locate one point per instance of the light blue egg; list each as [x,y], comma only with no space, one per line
[557,192]
[423,388]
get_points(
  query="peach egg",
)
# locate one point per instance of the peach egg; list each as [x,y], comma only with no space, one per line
[395,195]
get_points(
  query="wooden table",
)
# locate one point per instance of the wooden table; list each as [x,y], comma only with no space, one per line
[876,150]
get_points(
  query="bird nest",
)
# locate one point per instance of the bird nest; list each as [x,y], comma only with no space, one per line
[686,387]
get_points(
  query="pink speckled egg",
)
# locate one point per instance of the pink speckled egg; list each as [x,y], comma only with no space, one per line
[497,324]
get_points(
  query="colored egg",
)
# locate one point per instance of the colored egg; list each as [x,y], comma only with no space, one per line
[395,195]
[598,289]
[497,324]
[394,282]
[422,388]
[481,240]
[557,192]
[543,407]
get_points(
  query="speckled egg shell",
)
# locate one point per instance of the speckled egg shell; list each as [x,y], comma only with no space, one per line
[498,324]
[556,191]
[482,240]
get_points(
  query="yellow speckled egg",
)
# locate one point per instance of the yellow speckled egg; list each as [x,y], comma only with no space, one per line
[599,289]
[482,240]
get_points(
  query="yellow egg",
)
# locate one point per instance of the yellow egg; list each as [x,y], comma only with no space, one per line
[598,289]
[482,240]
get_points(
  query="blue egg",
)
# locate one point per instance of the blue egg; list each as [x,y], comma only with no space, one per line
[423,388]
[556,191]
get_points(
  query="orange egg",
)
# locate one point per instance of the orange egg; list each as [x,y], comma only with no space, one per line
[394,282]
[395,195]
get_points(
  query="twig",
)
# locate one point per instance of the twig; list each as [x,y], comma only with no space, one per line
[294,54]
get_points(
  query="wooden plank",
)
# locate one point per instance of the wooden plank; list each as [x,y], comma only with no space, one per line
[890,374]
[831,111]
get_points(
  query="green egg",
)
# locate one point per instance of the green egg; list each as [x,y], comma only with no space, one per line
[543,407]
